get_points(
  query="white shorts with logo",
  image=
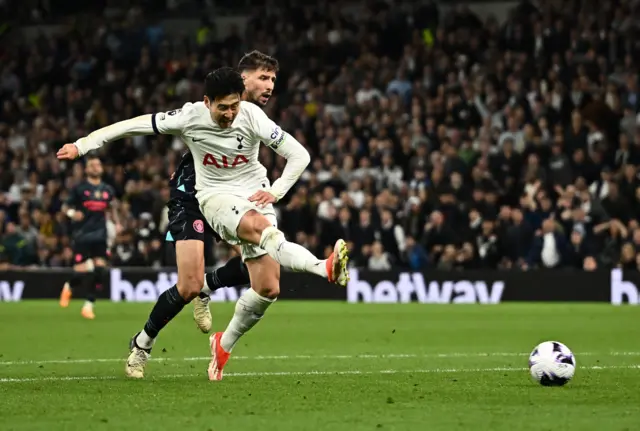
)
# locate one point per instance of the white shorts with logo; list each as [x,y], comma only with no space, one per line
[224,211]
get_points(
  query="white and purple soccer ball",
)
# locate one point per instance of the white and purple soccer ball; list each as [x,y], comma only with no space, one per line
[552,364]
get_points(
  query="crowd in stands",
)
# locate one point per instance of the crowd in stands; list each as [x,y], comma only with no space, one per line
[437,140]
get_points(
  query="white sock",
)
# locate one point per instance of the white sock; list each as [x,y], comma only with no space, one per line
[88,304]
[249,310]
[144,341]
[206,289]
[291,255]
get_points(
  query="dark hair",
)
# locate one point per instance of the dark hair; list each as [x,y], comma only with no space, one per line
[91,156]
[255,60]
[223,82]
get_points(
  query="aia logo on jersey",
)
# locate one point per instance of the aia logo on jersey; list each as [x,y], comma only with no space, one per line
[105,195]
[224,161]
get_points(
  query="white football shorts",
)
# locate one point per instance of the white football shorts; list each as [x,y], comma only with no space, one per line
[224,211]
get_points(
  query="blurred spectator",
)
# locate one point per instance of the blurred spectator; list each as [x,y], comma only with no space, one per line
[488,245]
[16,247]
[579,249]
[415,255]
[549,247]
[437,235]
[438,140]
[380,260]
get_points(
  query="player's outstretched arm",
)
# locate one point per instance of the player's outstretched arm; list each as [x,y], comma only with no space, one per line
[134,127]
[170,123]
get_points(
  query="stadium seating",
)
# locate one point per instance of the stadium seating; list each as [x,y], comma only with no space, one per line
[438,140]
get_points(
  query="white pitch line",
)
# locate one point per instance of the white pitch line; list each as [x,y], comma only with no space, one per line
[318,357]
[306,373]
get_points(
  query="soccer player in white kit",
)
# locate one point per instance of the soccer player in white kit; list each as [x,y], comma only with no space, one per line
[235,195]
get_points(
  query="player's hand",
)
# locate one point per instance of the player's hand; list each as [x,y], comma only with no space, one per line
[78,216]
[68,152]
[118,229]
[262,198]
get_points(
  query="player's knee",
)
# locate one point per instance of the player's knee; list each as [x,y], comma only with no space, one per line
[189,285]
[90,265]
[271,238]
[269,288]
[99,262]
[86,266]
[260,223]
[267,283]
[101,274]
[77,278]
[252,225]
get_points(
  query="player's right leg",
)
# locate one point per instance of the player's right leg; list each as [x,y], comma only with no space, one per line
[99,274]
[81,273]
[250,308]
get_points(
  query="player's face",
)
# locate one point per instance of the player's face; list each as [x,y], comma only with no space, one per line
[259,85]
[94,168]
[224,109]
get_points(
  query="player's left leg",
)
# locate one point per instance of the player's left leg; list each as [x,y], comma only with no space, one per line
[250,308]
[256,228]
[233,273]
[238,220]
[82,272]
[190,259]
[99,277]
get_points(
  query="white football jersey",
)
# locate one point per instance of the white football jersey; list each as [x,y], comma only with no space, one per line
[226,160]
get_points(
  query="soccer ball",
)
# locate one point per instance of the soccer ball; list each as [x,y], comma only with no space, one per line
[552,364]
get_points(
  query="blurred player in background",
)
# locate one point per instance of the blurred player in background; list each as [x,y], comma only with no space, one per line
[87,208]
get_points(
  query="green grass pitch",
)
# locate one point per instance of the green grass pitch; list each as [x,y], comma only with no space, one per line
[322,366]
